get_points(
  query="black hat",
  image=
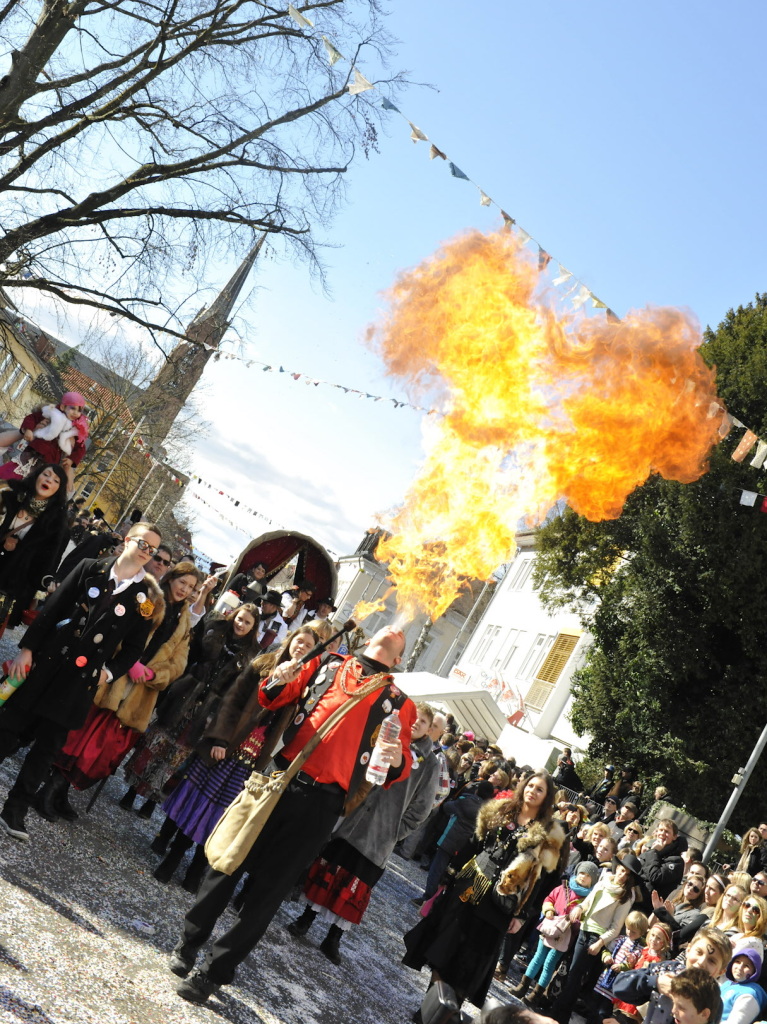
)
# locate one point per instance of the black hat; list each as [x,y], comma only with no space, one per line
[327,601]
[272,597]
[630,861]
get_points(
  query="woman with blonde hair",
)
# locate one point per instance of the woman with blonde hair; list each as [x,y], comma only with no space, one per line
[750,855]
[725,917]
[752,924]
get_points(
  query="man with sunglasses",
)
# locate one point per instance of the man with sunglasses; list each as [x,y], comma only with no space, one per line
[759,884]
[89,632]
[160,562]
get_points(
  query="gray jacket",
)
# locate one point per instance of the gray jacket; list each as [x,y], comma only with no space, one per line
[389,815]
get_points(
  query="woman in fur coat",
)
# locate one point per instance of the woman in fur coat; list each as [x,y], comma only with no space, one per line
[515,841]
[122,709]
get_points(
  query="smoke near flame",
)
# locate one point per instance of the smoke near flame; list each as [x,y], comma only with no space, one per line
[536,405]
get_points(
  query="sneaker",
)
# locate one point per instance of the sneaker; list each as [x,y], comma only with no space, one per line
[13,823]
[197,988]
[180,964]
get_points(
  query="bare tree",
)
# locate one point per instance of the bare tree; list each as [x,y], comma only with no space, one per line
[139,138]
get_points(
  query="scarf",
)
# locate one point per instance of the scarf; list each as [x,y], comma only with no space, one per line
[581,891]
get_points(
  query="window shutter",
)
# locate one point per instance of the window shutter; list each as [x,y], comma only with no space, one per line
[550,671]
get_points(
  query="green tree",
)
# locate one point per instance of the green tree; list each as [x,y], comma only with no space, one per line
[675,595]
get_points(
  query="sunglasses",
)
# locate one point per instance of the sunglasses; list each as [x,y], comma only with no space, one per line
[750,906]
[695,888]
[143,545]
[759,881]
[633,831]
[162,561]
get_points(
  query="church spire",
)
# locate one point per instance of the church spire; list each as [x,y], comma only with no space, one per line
[178,377]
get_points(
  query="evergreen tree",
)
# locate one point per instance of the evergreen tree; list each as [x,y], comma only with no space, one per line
[675,595]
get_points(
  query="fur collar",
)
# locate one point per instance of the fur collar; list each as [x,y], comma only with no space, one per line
[495,813]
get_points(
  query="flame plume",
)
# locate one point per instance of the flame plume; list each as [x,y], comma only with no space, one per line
[536,405]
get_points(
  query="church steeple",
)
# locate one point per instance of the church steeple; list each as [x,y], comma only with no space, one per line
[166,395]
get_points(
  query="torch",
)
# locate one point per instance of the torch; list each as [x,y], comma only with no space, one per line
[315,652]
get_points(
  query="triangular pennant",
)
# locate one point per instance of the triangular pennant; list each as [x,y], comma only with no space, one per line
[360,84]
[298,17]
[612,317]
[564,275]
[457,172]
[761,454]
[333,54]
[434,152]
[524,238]
[483,199]
[747,442]
[543,259]
[581,297]
[597,303]
[508,222]
[416,134]
[748,498]
[388,105]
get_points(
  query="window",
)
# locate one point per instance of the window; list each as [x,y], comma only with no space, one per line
[15,374]
[551,669]
[5,363]
[491,632]
[520,574]
[510,647]
[25,379]
[536,654]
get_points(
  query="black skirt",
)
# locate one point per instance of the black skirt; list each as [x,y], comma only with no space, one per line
[458,942]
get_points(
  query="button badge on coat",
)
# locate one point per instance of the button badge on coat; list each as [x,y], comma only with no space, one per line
[94,592]
[81,661]
[119,609]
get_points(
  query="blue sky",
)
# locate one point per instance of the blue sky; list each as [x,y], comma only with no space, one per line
[627,139]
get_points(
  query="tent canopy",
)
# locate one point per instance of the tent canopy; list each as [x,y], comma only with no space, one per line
[279,547]
[474,709]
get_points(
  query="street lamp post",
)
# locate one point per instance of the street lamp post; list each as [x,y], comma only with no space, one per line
[739,780]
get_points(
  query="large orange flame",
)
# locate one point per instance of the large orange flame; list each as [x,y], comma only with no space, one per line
[537,405]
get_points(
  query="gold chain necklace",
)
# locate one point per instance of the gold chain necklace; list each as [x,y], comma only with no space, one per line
[347,669]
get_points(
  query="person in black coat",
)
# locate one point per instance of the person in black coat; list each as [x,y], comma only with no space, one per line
[91,630]
[33,524]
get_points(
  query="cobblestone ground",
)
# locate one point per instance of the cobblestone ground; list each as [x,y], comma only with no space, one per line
[86,931]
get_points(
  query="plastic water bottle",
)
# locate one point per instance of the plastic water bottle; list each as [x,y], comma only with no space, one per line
[378,769]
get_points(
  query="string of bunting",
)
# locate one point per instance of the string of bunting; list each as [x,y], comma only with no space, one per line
[578,292]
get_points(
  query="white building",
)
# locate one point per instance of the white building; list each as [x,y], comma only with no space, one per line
[362,578]
[526,656]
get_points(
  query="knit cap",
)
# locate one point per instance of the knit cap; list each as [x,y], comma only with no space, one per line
[588,867]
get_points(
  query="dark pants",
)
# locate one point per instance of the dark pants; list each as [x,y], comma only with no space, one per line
[293,836]
[17,728]
[583,973]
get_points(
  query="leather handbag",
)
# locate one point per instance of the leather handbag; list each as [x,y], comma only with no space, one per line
[242,822]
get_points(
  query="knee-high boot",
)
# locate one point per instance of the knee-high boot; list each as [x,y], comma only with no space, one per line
[166,868]
[168,829]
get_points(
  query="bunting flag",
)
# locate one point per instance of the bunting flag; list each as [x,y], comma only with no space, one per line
[457,172]
[388,105]
[761,454]
[751,499]
[416,134]
[434,152]
[483,199]
[359,84]
[543,259]
[748,441]
[597,303]
[564,275]
[334,55]
[299,18]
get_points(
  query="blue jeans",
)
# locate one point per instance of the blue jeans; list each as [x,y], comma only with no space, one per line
[544,963]
[439,862]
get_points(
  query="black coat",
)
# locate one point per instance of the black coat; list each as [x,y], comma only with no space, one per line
[75,623]
[35,555]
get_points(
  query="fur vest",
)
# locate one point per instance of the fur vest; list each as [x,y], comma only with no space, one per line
[134,702]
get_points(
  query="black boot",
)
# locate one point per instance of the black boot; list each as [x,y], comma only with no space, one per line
[522,987]
[43,802]
[302,924]
[147,809]
[61,802]
[166,868]
[128,797]
[168,829]
[331,942]
[196,870]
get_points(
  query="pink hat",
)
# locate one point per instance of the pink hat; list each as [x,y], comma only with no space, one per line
[468,735]
[73,398]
